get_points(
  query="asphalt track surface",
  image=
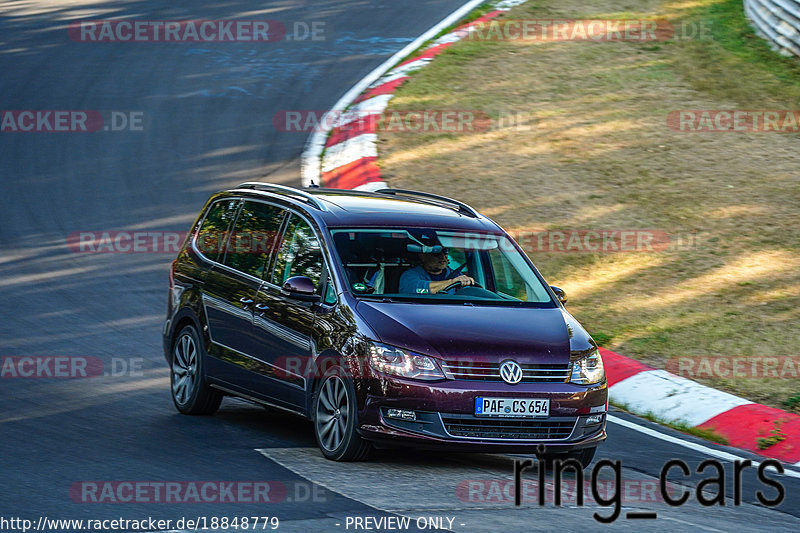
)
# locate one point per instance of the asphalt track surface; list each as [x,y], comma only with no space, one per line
[208,125]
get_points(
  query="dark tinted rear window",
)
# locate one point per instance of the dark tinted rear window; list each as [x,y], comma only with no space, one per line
[213,233]
[251,243]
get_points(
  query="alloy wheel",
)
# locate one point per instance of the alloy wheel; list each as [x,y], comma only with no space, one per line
[184,369]
[332,413]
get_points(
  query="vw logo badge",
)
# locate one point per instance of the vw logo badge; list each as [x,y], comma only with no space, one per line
[511,372]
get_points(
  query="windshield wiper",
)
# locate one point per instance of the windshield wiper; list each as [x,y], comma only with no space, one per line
[379,297]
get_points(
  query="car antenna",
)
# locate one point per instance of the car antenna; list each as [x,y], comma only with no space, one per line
[313,185]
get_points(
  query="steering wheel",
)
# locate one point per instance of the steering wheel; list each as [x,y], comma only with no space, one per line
[460,285]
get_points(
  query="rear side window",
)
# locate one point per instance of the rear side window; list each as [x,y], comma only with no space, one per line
[299,255]
[214,231]
[253,238]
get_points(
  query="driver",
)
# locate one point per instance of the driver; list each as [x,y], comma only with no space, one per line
[432,275]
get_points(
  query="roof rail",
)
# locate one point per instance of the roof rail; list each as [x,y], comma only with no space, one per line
[461,207]
[283,189]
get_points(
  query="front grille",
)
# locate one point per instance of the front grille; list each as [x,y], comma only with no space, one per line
[484,428]
[488,371]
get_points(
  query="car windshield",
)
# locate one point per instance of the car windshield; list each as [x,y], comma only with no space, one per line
[438,266]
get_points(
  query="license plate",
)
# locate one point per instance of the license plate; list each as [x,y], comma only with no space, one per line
[516,407]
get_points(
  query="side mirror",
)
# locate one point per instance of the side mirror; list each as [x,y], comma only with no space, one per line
[561,294]
[300,288]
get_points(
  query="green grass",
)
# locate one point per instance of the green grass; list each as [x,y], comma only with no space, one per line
[775,436]
[793,402]
[602,339]
[735,63]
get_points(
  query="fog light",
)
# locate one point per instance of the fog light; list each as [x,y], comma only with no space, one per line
[402,414]
[594,419]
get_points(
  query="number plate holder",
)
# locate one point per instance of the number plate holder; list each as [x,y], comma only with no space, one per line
[512,407]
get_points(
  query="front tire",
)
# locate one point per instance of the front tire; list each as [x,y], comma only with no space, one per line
[190,391]
[336,419]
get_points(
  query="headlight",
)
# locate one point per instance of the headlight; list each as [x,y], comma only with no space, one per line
[392,360]
[589,370]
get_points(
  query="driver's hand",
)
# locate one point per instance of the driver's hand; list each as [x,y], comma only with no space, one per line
[436,286]
[464,279]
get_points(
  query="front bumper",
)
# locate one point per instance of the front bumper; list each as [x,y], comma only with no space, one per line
[445,416]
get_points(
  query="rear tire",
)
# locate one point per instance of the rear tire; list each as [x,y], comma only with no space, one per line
[190,391]
[584,456]
[336,419]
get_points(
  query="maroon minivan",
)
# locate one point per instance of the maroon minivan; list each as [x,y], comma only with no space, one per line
[388,318]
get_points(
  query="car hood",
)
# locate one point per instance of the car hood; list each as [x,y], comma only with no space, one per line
[483,333]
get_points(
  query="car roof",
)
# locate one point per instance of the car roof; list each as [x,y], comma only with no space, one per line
[385,208]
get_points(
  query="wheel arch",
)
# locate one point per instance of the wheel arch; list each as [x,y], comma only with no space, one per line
[185,317]
[322,362]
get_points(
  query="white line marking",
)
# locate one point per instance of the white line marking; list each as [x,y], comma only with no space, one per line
[350,150]
[505,5]
[310,160]
[374,106]
[672,397]
[691,445]
[403,71]
[452,37]
[390,77]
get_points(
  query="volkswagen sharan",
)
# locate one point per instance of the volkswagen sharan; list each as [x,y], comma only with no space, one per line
[388,318]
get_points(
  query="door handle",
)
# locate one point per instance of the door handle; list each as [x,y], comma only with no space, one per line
[246,300]
[262,307]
